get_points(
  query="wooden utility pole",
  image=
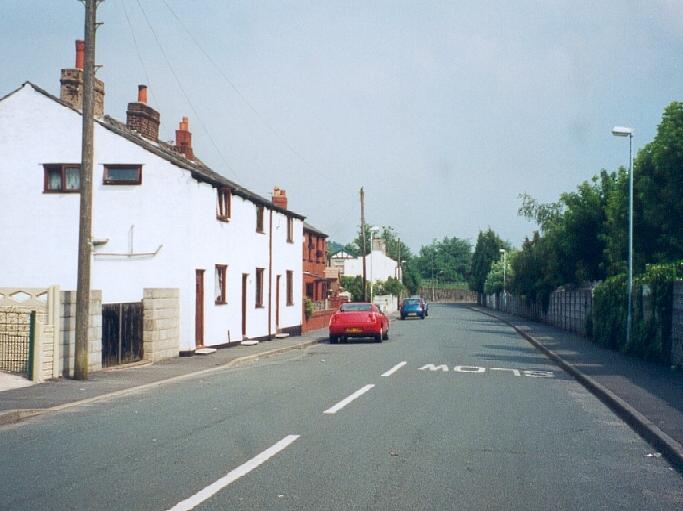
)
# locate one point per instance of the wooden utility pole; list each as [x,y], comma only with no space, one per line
[85,218]
[362,230]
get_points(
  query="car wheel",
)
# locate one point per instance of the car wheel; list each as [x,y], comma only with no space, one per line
[333,339]
[378,337]
[422,317]
[385,336]
[402,317]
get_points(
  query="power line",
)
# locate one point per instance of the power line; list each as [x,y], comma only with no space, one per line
[182,89]
[234,87]
[137,49]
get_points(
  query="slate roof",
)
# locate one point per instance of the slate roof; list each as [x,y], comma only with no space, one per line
[198,169]
[309,227]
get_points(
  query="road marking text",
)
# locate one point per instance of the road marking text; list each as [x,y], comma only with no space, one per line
[532,373]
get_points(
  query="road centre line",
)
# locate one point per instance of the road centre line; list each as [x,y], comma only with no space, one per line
[233,475]
[341,404]
[395,368]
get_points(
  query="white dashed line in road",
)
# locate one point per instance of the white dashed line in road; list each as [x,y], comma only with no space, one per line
[341,404]
[395,368]
[233,475]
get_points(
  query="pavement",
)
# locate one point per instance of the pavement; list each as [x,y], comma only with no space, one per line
[17,403]
[647,395]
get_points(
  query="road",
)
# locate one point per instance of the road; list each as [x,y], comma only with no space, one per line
[453,412]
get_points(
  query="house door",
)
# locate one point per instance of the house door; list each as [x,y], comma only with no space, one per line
[244,304]
[199,308]
[277,303]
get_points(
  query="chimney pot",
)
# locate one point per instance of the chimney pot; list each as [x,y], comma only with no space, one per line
[183,139]
[142,94]
[80,54]
[143,118]
[71,84]
[279,198]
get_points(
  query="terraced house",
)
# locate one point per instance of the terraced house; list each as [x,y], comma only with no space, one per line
[161,218]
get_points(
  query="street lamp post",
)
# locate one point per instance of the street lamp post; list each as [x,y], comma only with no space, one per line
[622,131]
[504,252]
[373,230]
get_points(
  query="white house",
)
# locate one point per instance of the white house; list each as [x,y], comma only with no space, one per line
[161,219]
[378,266]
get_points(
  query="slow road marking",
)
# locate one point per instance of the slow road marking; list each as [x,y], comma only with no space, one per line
[395,368]
[233,475]
[531,373]
[341,404]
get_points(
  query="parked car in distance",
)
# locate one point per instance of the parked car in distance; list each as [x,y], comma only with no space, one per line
[358,320]
[412,307]
[425,305]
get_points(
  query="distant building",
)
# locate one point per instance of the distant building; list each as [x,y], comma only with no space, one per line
[378,266]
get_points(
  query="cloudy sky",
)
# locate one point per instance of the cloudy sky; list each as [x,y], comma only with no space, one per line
[444,111]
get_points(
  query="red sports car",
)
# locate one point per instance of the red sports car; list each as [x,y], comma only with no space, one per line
[358,320]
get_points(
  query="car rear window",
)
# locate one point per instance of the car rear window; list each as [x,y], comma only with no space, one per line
[355,307]
[412,302]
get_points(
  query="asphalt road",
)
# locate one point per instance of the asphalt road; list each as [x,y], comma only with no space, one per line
[453,412]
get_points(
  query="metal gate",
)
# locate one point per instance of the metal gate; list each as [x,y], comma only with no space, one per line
[121,333]
[17,337]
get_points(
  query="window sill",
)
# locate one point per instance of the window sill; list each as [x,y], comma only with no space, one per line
[223,218]
[220,303]
[259,306]
[290,304]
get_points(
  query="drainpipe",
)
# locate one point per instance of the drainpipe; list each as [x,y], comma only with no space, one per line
[270,273]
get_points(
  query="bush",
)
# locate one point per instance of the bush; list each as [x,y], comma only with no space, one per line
[652,310]
[309,308]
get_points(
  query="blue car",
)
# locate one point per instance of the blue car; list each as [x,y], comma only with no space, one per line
[413,307]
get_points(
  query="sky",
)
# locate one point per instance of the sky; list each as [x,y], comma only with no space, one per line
[443,111]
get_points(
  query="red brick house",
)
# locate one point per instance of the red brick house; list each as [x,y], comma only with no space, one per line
[315,261]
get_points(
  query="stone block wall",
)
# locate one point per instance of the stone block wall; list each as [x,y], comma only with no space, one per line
[677,325]
[68,332]
[568,310]
[161,323]
[438,295]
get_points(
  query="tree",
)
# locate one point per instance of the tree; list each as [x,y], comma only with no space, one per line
[500,275]
[448,259]
[486,251]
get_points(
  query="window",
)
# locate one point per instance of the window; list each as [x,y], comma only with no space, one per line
[221,284]
[259,219]
[259,287]
[223,204]
[290,229]
[290,287]
[122,174]
[62,178]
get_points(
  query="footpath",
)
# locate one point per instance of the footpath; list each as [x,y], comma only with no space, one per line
[19,403]
[648,396]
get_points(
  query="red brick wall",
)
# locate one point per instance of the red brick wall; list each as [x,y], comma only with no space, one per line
[318,320]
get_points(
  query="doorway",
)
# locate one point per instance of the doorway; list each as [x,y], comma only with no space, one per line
[277,303]
[199,308]
[244,304]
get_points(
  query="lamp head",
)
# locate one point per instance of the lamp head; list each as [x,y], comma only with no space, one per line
[622,131]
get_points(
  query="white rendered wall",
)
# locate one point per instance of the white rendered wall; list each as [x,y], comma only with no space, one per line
[377,266]
[170,209]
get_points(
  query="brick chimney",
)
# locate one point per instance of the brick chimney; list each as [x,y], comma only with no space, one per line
[71,81]
[143,118]
[279,198]
[183,139]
